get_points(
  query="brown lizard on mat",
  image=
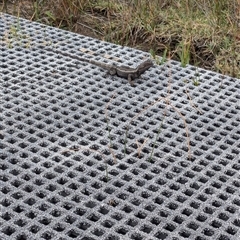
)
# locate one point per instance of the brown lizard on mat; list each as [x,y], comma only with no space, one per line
[126,72]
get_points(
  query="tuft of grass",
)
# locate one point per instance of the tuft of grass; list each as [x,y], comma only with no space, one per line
[15,36]
[184,52]
[159,60]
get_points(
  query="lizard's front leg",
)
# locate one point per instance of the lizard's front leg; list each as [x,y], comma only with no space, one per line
[130,78]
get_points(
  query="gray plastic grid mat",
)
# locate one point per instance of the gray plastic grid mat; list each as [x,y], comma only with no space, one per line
[69,172]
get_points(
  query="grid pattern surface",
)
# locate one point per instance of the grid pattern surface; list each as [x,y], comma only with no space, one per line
[75,144]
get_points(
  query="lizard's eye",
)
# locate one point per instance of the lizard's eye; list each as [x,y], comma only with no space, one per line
[112,71]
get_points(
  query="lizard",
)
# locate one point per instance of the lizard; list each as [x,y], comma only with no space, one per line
[122,71]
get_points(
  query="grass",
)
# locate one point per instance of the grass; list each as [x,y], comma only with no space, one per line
[204,33]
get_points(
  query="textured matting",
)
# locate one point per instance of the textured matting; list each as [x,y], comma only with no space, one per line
[68,171]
